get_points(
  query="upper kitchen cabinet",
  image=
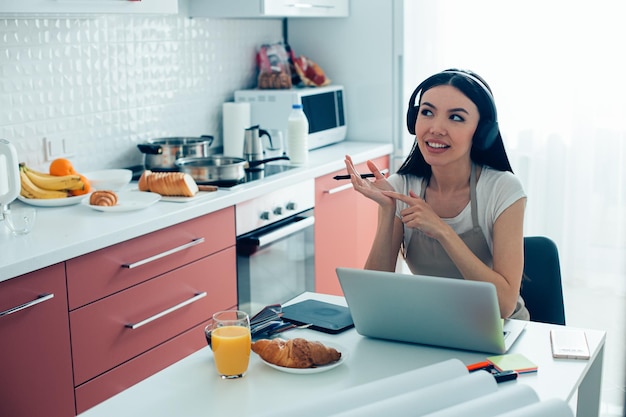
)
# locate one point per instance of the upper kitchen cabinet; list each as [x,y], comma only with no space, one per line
[87,7]
[268,8]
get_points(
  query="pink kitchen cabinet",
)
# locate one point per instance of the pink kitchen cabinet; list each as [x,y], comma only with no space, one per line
[345,225]
[141,305]
[35,356]
[115,268]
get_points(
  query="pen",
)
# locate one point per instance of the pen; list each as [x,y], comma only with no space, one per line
[347,177]
[479,365]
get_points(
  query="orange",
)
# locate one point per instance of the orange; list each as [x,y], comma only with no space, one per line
[85,189]
[61,166]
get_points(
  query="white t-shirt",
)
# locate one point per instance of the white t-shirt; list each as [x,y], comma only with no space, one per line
[495,192]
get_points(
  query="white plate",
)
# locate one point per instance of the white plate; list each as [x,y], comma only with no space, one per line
[52,202]
[315,370]
[128,201]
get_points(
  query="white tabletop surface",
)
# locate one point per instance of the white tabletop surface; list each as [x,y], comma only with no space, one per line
[62,233]
[192,387]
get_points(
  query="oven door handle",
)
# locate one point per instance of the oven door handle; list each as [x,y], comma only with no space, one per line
[284,231]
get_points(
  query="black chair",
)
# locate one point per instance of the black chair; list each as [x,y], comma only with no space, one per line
[542,289]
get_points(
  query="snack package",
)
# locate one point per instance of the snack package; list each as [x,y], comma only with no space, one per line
[273,65]
[310,74]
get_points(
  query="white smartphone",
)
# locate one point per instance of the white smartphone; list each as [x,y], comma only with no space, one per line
[569,344]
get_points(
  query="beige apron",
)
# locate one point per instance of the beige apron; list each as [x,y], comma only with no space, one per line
[425,255]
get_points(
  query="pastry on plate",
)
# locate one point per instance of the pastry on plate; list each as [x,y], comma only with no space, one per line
[103,198]
[295,353]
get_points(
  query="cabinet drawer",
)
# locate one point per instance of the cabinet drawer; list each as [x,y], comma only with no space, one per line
[341,211]
[137,369]
[268,8]
[35,358]
[109,270]
[87,7]
[102,338]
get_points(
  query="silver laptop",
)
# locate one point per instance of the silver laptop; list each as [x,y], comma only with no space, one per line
[437,311]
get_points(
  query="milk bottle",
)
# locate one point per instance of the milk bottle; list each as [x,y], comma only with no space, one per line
[298,136]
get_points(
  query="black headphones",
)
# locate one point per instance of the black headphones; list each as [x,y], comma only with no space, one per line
[487,130]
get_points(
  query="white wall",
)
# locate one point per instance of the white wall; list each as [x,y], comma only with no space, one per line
[560,107]
[107,83]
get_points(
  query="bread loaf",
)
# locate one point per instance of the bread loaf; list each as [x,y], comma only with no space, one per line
[295,353]
[103,198]
[171,184]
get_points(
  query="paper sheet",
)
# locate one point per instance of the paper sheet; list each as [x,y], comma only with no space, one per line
[375,391]
[548,408]
[429,399]
[504,399]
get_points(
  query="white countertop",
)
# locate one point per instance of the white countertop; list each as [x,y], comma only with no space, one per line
[192,387]
[62,233]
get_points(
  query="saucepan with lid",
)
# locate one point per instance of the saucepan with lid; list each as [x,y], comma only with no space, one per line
[161,154]
[218,169]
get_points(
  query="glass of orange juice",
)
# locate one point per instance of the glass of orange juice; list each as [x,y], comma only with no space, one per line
[229,338]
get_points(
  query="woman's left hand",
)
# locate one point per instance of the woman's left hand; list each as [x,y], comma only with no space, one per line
[370,189]
[419,214]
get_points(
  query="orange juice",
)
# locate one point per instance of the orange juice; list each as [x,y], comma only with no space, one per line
[231,349]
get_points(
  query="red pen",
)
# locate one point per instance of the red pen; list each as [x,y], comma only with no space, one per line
[479,365]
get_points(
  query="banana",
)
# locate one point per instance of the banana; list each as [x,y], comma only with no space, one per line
[30,190]
[43,174]
[52,182]
[26,194]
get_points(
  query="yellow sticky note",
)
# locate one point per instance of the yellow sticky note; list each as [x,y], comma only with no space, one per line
[513,362]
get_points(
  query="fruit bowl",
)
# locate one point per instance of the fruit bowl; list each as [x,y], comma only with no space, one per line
[109,179]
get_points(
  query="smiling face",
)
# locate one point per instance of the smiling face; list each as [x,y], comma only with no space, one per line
[445,125]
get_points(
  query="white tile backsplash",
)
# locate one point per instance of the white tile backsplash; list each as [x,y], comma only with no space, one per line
[105,84]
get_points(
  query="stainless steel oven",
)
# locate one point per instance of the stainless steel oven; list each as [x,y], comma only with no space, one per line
[275,254]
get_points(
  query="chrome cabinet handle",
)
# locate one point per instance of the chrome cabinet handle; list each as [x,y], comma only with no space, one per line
[338,189]
[164,254]
[285,231]
[310,6]
[166,312]
[40,299]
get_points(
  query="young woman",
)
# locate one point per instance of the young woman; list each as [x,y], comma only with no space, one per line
[454,208]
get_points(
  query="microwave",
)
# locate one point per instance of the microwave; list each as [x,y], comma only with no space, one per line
[323,106]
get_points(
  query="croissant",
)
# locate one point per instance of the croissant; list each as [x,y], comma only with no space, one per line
[295,353]
[168,183]
[103,198]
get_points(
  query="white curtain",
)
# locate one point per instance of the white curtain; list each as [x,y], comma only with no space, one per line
[558,76]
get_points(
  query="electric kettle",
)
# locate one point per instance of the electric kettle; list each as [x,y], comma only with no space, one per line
[9,175]
[253,146]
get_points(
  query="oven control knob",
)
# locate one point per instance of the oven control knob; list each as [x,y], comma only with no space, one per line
[265,215]
[291,206]
[278,211]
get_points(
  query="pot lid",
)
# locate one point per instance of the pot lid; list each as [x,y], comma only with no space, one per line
[181,140]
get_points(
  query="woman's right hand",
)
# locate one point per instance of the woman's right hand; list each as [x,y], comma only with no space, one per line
[371,189]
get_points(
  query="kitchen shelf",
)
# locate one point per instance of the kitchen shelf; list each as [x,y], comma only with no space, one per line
[32,8]
[268,8]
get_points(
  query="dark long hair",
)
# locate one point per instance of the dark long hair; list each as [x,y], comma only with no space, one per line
[493,156]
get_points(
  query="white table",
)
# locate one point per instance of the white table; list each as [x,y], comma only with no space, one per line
[191,387]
